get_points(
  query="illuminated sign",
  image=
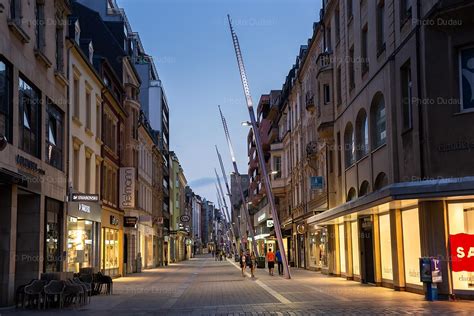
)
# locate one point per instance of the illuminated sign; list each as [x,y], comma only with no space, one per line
[462,252]
[84,208]
[80,197]
[270,223]
[262,217]
[127,188]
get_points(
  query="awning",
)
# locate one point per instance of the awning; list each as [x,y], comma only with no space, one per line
[427,189]
[11,177]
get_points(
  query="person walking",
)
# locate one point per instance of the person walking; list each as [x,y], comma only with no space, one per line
[279,262]
[248,261]
[253,260]
[271,261]
[242,262]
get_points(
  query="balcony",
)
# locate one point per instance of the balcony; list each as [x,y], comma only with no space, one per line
[272,135]
[324,61]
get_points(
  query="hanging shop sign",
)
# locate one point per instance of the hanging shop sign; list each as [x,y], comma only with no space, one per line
[270,223]
[127,188]
[114,221]
[462,252]
[184,218]
[317,183]
[80,197]
[300,229]
[130,221]
[262,217]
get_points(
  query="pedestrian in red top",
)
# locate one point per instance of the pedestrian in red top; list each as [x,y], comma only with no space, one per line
[271,261]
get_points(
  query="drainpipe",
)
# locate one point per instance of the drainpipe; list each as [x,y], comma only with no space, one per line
[420,104]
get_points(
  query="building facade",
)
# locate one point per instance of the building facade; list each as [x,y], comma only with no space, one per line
[33,124]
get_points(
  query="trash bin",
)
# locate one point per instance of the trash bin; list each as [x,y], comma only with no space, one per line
[261,262]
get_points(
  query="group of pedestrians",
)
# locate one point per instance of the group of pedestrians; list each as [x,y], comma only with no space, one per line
[218,255]
[248,260]
[271,257]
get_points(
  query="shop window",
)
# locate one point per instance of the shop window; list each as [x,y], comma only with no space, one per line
[466,72]
[81,241]
[317,247]
[110,251]
[378,121]
[53,212]
[6,115]
[385,247]
[30,118]
[342,248]
[461,221]
[355,248]
[411,246]
[54,136]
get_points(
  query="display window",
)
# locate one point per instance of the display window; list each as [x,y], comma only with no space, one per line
[385,247]
[110,248]
[342,248]
[355,248]
[317,247]
[53,211]
[461,237]
[80,244]
[149,251]
[411,246]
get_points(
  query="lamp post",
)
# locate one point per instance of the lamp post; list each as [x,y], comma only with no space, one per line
[266,178]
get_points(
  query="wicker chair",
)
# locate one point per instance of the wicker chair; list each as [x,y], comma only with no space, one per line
[104,280]
[54,289]
[34,293]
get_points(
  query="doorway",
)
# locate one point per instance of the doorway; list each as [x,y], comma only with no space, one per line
[367,250]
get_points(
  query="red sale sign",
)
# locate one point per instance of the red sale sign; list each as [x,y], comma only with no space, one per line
[462,252]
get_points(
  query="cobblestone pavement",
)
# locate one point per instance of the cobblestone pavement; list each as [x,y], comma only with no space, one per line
[202,286]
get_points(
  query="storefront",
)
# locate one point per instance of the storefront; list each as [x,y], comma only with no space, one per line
[84,216]
[317,245]
[380,239]
[112,243]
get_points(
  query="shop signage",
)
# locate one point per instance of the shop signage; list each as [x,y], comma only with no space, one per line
[84,208]
[114,220]
[262,217]
[28,164]
[270,223]
[130,221]
[184,218]
[462,252]
[300,229]
[144,218]
[317,183]
[127,188]
[160,220]
[80,197]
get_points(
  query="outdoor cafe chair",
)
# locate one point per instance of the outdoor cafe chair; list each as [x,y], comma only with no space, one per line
[54,290]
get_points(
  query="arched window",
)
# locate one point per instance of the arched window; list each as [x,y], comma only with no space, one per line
[380,181]
[362,134]
[364,188]
[378,121]
[351,195]
[349,145]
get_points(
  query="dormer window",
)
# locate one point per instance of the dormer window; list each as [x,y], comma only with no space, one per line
[91,52]
[77,32]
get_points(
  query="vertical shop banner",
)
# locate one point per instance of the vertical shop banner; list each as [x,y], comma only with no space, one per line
[127,188]
[462,252]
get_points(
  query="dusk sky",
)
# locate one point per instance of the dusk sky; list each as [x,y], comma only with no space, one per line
[192,48]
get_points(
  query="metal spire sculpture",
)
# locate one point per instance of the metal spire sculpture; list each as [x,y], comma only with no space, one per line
[241,190]
[262,164]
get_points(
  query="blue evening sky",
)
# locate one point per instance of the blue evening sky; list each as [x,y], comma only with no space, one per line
[192,47]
